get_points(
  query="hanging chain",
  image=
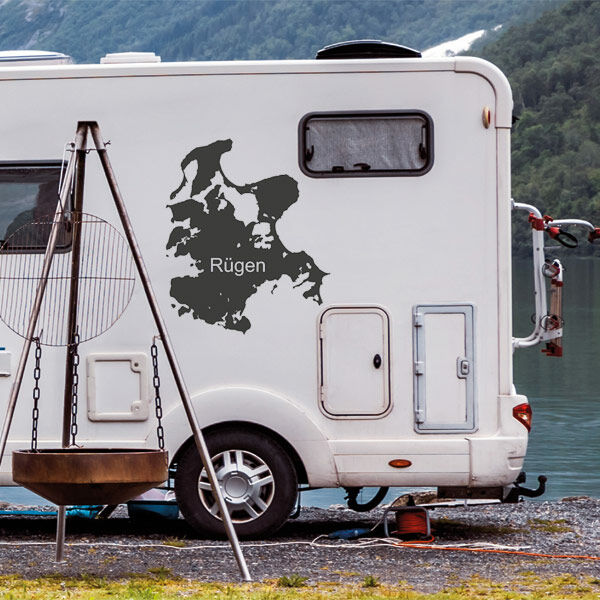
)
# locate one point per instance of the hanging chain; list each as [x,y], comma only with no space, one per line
[160,434]
[74,350]
[35,413]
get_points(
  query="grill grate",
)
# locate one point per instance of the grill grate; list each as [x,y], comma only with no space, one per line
[105,278]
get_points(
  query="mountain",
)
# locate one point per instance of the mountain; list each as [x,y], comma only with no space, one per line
[548,48]
[554,68]
[243,29]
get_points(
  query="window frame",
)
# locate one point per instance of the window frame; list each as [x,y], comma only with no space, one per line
[346,115]
[60,164]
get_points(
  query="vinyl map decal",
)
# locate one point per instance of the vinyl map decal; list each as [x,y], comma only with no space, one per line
[229,233]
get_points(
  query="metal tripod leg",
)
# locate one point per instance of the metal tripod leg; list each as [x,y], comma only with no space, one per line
[39,296]
[80,154]
[33,318]
[162,330]
[61,518]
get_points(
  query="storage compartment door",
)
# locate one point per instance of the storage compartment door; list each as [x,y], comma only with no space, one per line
[117,387]
[444,369]
[355,362]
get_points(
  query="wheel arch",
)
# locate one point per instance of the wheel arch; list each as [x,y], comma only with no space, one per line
[256,428]
[282,419]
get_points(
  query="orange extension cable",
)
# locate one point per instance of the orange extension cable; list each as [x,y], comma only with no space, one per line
[492,550]
[411,523]
[497,551]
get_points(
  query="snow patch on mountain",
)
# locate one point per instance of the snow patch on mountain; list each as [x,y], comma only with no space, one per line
[454,47]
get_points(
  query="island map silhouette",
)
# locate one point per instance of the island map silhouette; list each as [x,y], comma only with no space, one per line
[229,233]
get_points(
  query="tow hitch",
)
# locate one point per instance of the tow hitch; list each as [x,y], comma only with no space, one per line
[517,490]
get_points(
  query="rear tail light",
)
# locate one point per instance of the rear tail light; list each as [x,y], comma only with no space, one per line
[522,413]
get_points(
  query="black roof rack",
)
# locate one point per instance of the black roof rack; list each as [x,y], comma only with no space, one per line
[366,49]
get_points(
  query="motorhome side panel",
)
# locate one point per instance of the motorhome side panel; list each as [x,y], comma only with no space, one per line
[247,252]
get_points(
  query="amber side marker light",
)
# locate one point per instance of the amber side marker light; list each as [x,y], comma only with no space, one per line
[399,463]
[522,413]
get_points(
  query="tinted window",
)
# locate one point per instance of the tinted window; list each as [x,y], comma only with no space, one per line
[28,192]
[368,144]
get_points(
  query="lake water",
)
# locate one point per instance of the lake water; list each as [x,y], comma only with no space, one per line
[564,392]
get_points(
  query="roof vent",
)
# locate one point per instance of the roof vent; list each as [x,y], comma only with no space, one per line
[366,49]
[28,58]
[120,58]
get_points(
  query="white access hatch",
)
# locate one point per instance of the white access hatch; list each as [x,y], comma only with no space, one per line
[444,368]
[355,361]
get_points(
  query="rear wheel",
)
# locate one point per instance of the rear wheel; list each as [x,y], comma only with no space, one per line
[257,478]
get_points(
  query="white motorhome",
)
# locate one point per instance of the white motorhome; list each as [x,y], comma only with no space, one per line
[330,244]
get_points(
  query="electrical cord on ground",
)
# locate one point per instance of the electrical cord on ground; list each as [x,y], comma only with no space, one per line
[354,545]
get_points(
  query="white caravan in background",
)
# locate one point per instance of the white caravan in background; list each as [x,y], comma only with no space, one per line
[329,241]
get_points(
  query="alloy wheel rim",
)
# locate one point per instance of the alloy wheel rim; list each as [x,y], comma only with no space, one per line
[246,482]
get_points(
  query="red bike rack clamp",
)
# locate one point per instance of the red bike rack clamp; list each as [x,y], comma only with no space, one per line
[539,224]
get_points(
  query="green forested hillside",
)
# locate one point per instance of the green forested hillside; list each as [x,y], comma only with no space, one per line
[553,63]
[243,29]
[554,68]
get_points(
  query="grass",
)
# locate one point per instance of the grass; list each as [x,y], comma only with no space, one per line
[292,581]
[370,582]
[175,542]
[550,525]
[162,573]
[527,585]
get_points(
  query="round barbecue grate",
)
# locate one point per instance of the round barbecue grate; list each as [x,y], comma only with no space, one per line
[104,280]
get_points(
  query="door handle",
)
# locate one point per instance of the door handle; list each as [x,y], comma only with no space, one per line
[463,367]
[377,361]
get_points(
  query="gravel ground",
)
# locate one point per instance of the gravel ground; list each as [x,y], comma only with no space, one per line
[118,547]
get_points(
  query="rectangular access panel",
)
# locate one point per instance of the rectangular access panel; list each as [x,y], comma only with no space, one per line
[355,376]
[444,368]
[117,387]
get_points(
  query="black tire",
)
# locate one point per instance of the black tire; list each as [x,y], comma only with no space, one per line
[270,493]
